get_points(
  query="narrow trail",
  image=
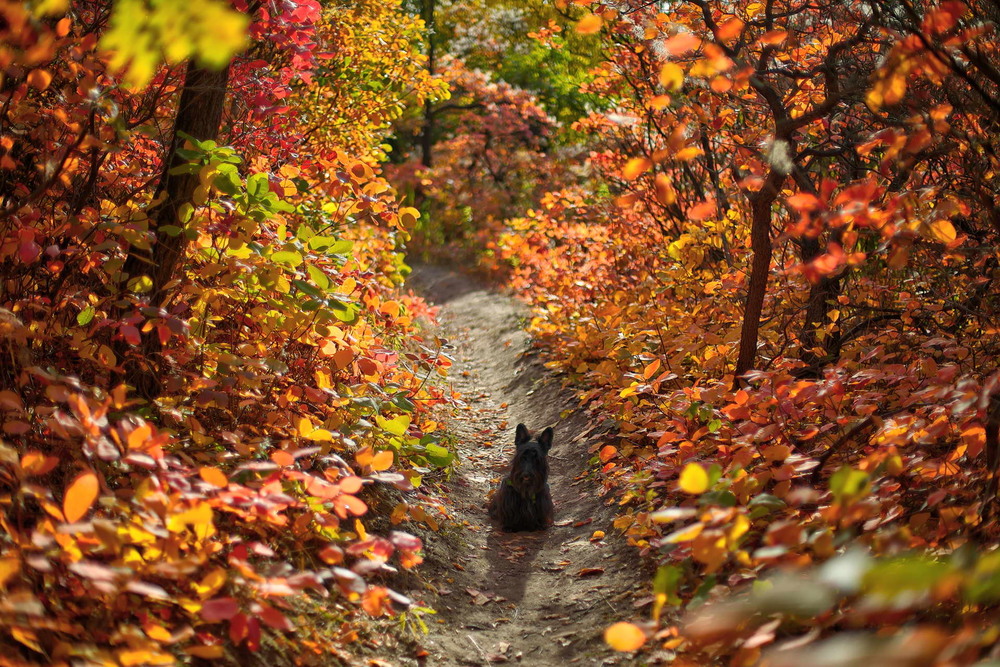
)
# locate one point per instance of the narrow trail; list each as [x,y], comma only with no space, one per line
[525,598]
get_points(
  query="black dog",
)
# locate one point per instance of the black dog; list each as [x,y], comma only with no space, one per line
[523,501]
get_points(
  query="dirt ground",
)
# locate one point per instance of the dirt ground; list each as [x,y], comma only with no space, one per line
[539,598]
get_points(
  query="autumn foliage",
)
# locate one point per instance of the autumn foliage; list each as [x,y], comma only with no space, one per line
[189,440]
[775,273]
[760,238]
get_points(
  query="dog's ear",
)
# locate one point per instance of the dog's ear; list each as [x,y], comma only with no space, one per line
[521,435]
[545,439]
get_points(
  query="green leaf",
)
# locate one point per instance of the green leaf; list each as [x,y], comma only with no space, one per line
[396,426]
[345,312]
[307,288]
[290,257]
[317,276]
[665,583]
[85,316]
[227,180]
[438,455]
[848,485]
[890,579]
[257,185]
[402,402]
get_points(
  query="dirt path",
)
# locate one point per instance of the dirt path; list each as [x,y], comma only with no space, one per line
[530,598]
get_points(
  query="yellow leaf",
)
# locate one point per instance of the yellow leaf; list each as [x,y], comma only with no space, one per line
[671,76]
[408,217]
[685,534]
[80,495]
[382,461]
[305,426]
[213,476]
[694,479]
[210,583]
[741,524]
[589,24]
[140,284]
[320,435]
[624,637]
[635,167]
[48,7]
[629,390]
[942,230]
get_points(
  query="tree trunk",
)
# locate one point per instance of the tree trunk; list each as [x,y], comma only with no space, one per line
[199,115]
[760,243]
[821,293]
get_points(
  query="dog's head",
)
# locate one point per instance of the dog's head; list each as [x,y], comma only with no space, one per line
[530,469]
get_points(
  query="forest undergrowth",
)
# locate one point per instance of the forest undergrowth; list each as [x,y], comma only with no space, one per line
[758,238]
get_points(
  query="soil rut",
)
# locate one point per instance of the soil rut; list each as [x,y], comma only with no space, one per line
[531,598]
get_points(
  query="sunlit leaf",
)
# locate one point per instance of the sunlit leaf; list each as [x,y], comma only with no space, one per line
[671,76]
[80,496]
[589,24]
[693,479]
[624,636]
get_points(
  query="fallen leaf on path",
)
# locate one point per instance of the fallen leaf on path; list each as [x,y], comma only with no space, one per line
[583,523]
[590,572]
[478,597]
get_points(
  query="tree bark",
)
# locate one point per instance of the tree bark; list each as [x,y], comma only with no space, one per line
[760,244]
[821,293]
[199,115]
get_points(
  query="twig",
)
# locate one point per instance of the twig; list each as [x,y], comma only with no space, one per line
[478,648]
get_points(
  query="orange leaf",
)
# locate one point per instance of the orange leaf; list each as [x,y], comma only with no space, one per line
[681,44]
[635,168]
[607,453]
[343,358]
[39,78]
[364,456]
[382,461]
[665,193]
[80,495]
[624,637]
[214,476]
[35,463]
[729,30]
[351,484]
[589,24]
[282,458]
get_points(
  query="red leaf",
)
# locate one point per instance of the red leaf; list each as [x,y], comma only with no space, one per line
[275,619]
[130,334]
[219,609]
